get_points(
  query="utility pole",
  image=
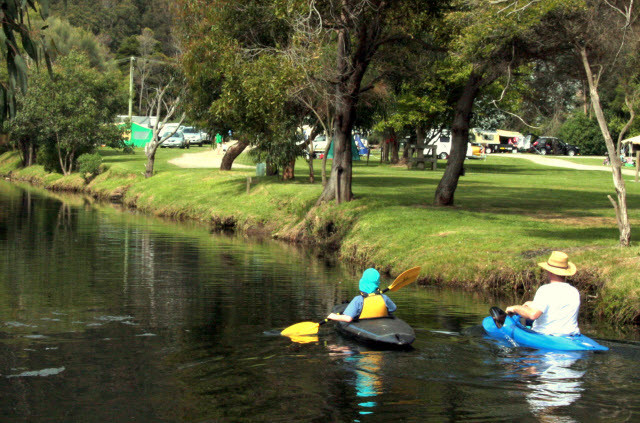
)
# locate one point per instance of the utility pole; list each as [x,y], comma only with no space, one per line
[131,87]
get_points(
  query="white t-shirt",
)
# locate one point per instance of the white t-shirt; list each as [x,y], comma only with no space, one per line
[559,303]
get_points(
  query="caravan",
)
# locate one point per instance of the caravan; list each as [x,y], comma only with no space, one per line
[442,142]
[498,141]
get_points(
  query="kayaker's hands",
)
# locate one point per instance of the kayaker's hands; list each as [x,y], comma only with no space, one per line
[510,310]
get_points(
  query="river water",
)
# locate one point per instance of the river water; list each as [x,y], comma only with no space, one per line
[107,315]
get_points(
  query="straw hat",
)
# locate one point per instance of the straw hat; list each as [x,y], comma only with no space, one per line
[559,264]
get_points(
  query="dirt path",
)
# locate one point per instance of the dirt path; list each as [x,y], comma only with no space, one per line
[549,161]
[207,159]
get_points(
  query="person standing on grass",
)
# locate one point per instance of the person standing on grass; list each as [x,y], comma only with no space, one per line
[554,309]
[218,142]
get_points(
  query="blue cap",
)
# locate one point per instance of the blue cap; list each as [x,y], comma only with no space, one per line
[370,281]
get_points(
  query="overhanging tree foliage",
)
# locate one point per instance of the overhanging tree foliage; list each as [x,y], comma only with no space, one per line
[18,37]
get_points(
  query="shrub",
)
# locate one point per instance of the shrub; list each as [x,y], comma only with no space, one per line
[89,165]
[583,132]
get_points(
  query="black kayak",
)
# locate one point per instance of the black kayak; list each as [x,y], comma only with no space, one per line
[387,332]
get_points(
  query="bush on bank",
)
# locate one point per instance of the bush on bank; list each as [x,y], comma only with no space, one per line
[510,213]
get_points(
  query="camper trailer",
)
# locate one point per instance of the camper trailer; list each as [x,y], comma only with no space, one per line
[498,141]
[442,142]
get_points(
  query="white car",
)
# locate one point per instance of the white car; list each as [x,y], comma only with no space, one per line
[194,136]
[176,140]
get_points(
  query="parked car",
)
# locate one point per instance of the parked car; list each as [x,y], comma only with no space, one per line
[176,140]
[551,145]
[194,136]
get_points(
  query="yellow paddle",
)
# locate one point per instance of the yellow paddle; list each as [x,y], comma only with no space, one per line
[311,328]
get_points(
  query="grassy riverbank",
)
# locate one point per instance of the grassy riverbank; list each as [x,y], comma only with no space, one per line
[509,214]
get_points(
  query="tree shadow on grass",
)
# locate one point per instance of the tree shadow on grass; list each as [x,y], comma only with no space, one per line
[575,233]
[496,199]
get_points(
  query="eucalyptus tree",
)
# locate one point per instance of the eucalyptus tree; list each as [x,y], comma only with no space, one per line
[359,32]
[32,44]
[490,42]
[236,80]
[162,108]
[606,37]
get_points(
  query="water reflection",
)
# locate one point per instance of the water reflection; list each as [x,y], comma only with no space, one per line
[552,380]
[110,316]
[368,382]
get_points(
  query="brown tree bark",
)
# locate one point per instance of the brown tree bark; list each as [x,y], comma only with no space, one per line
[620,206]
[151,160]
[420,135]
[351,68]
[395,148]
[459,140]
[288,173]
[232,153]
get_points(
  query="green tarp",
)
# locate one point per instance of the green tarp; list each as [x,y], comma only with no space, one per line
[140,135]
[354,151]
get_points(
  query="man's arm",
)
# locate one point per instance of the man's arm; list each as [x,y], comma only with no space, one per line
[526,310]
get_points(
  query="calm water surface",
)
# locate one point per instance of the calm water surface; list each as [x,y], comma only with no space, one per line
[111,316]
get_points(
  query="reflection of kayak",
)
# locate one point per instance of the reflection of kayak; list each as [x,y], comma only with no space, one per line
[518,335]
[382,332]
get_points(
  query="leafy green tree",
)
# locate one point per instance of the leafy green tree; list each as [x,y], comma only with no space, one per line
[130,46]
[66,38]
[491,40]
[584,132]
[69,115]
[111,20]
[235,79]
[360,32]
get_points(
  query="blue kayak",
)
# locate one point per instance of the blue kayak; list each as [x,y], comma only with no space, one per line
[518,335]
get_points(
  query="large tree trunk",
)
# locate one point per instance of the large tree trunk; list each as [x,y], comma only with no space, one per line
[352,69]
[150,150]
[620,206]
[395,148]
[338,187]
[232,153]
[420,135]
[459,140]
[149,167]
[288,173]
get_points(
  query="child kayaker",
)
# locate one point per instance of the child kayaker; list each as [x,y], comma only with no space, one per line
[555,307]
[371,303]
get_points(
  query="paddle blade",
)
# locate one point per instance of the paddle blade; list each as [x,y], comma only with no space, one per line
[405,278]
[303,328]
[498,316]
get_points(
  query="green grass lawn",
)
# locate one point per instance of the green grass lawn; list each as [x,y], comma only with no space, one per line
[509,213]
[589,160]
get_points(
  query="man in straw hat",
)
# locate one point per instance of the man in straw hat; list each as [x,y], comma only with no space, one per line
[555,307]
